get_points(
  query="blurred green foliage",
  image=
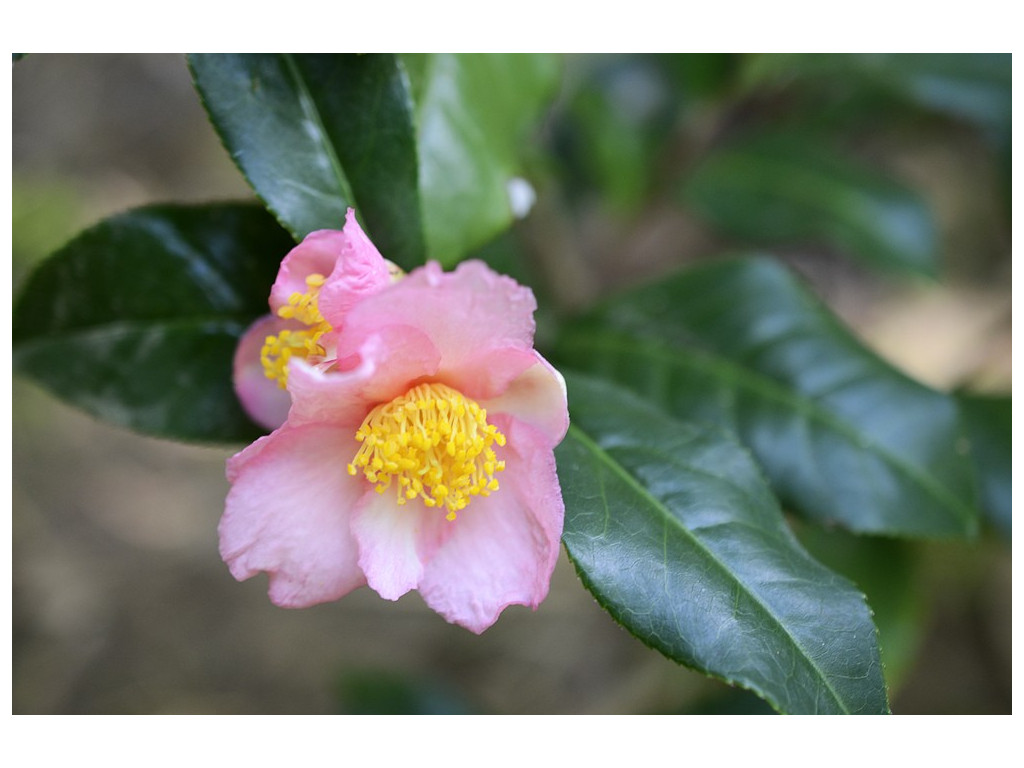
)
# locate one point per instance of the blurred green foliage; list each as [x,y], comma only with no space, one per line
[387,692]
[776,149]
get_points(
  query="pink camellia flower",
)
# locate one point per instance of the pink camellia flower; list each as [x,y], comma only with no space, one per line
[417,451]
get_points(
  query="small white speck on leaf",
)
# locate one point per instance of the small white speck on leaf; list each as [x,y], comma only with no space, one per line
[521,196]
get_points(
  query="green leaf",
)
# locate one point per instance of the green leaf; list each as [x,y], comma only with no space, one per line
[989,421]
[674,531]
[975,87]
[315,134]
[787,189]
[422,146]
[617,121]
[620,115]
[699,76]
[136,319]
[473,112]
[843,437]
[886,570]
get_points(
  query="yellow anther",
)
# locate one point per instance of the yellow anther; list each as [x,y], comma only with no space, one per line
[291,342]
[435,443]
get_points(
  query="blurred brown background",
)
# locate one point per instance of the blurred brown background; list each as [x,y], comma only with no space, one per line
[122,605]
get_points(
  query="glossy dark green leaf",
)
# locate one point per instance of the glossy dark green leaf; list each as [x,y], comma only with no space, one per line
[989,422]
[886,570]
[315,134]
[843,437]
[675,532]
[136,319]
[423,146]
[473,114]
[788,188]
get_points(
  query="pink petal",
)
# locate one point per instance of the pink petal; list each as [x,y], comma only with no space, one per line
[360,271]
[288,513]
[489,373]
[386,364]
[265,402]
[504,547]
[318,253]
[537,397]
[480,322]
[396,541]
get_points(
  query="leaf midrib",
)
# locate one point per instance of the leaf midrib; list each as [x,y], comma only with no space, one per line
[766,387]
[668,518]
[312,110]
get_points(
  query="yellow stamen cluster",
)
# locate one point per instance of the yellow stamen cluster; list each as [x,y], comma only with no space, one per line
[305,342]
[434,443]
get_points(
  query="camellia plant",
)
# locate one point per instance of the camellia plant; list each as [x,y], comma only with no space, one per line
[718,455]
